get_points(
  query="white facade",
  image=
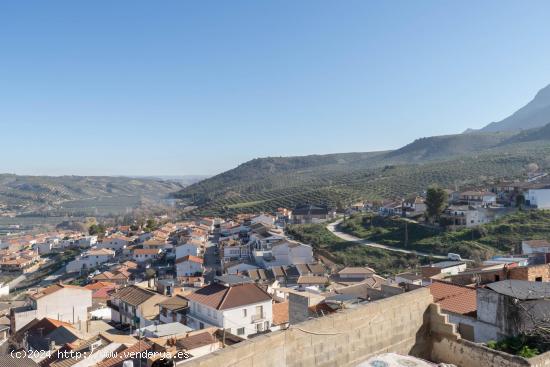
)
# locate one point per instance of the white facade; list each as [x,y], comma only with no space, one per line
[292,253]
[87,241]
[236,251]
[241,321]
[115,244]
[4,289]
[187,249]
[90,259]
[69,304]
[44,248]
[539,198]
[188,268]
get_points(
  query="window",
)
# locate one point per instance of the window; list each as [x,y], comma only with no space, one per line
[240,331]
[497,278]
[244,312]
[538,279]
[259,311]
[201,325]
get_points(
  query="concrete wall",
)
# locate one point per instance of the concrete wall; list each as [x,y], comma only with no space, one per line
[346,338]
[447,347]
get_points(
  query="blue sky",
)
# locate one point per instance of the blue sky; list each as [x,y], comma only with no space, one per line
[197,87]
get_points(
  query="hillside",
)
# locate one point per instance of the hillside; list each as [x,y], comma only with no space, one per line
[442,147]
[265,184]
[500,150]
[23,194]
[534,114]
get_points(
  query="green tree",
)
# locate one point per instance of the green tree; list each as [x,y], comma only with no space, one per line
[96,229]
[436,201]
[520,201]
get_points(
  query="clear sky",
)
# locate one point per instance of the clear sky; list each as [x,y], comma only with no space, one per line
[197,87]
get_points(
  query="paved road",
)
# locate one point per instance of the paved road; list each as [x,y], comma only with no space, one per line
[347,237]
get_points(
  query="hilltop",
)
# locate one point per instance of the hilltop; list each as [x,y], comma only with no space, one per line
[534,114]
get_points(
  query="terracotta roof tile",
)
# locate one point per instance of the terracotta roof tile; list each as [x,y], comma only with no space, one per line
[454,298]
[221,297]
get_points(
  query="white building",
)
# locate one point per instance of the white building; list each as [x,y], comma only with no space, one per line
[143,255]
[535,247]
[115,243]
[288,252]
[61,302]
[242,309]
[538,198]
[87,241]
[90,259]
[188,249]
[44,247]
[4,289]
[189,266]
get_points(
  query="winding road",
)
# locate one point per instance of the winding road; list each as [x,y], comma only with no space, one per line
[333,227]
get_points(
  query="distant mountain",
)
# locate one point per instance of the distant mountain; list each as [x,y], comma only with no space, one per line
[41,194]
[534,114]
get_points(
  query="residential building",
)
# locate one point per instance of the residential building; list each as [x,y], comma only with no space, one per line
[174,309]
[143,255]
[538,198]
[535,246]
[513,306]
[90,259]
[242,309]
[414,206]
[61,302]
[189,266]
[135,306]
[308,213]
[116,243]
[478,198]
[191,247]
[444,267]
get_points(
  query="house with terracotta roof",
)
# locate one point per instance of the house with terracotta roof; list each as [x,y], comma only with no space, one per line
[63,302]
[240,308]
[114,242]
[189,266]
[119,277]
[143,255]
[460,303]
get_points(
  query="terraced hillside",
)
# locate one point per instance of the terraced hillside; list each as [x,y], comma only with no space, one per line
[373,177]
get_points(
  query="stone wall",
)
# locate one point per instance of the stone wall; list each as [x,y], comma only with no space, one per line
[346,338]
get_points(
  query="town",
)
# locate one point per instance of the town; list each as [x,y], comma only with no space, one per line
[184,290]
